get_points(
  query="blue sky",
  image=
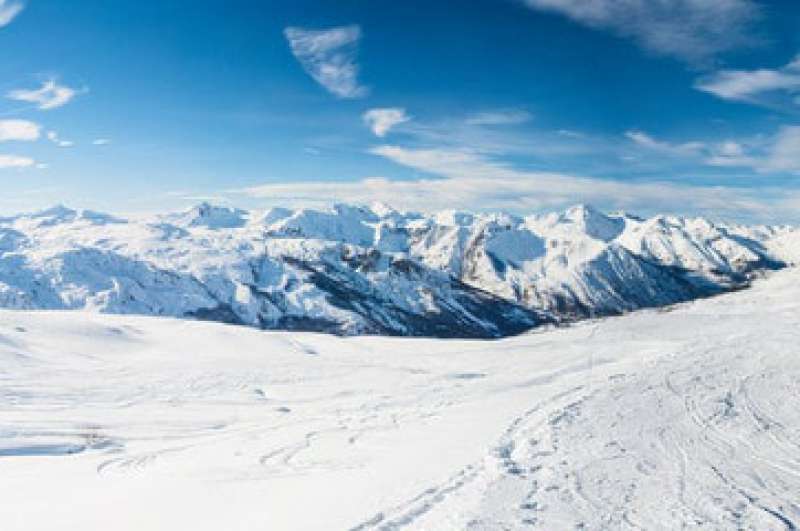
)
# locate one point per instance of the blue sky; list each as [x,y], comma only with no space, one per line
[521,105]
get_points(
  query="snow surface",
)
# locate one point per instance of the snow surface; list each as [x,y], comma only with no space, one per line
[661,419]
[374,270]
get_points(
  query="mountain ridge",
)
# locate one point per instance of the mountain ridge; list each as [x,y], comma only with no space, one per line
[375,270]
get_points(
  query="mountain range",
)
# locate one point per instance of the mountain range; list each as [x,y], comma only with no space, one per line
[352,270]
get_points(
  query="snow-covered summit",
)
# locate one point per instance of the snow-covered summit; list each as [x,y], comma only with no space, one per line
[60,214]
[210,216]
[593,223]
[358,269]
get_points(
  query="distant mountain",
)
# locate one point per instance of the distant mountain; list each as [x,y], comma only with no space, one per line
[359,270]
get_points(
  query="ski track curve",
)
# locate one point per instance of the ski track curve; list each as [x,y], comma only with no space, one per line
[686,442]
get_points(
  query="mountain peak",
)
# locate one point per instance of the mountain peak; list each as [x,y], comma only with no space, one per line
[582,210]
[212,216]
[59,211]
[594,223]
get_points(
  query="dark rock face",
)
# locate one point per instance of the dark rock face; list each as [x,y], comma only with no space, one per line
[454,309]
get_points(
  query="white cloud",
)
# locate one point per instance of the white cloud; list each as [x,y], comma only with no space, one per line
[730,148]
[19,130]
[569,133]
[101,142]
[682,150]
[731,154]
[484,132]
[14,161]
[50,95]
[380,121]
[53,137]
[754,86]
[507,117]
[784,155]
[781,154]
[9,11]
[773,154]
[693,30]
[328,56]
[466,179]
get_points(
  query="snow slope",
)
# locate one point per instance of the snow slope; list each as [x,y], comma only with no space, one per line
[654,420]
[357,270]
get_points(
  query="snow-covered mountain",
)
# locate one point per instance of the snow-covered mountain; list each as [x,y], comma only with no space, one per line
[356,270]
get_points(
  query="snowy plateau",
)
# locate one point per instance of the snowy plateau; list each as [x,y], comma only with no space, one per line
[133,412]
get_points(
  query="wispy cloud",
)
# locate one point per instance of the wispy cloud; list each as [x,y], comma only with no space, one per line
[486,132]
[458,163]
[14,161]
[466,179]
[53,137]
[691,30]
[503,117]
[569,133]
[50,95]
[731,154]
[9,9]
[329,56]
[101,142]
[19,130]
[380,121]
[774,154]
[784,155]
[781,154]
[644,140]
[761,87]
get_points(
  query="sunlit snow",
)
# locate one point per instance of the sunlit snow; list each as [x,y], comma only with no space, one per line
[657,419]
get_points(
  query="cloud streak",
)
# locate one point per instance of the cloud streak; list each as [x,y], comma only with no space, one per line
[328,56]
[14,161]
[776,154]
[780,155]
[760,87]
[53,137]
[646,141]
[21,130]
[49,96]
[9,11]
[509,117]
[381,121]
[691,30]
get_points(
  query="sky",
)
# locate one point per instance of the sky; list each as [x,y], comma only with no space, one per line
[678,106]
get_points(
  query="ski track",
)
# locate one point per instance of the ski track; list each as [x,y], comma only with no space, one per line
[656,420]
[592,476]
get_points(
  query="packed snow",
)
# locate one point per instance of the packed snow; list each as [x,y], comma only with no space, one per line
[353,270]
[683,417]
